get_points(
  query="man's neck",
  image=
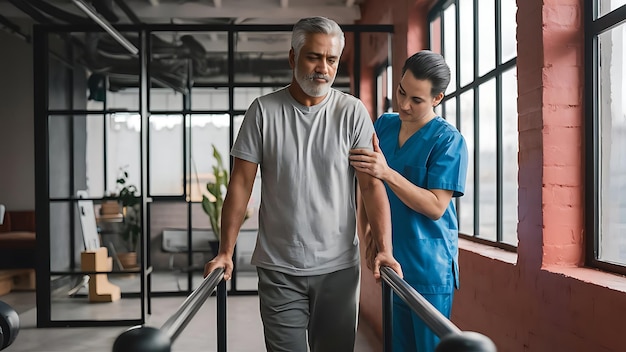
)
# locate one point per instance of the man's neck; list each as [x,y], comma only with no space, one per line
[301,97]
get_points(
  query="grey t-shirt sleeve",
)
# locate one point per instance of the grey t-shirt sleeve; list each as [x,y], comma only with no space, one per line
[249,143]
[363,128]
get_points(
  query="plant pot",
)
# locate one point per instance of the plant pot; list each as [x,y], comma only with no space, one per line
[128,260]
[110,208]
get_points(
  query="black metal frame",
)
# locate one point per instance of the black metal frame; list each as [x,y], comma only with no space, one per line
[43,201]
[592,139]
[42,54]
[499,68]
[377,72]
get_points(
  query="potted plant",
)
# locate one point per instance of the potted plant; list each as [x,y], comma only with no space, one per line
[130,231]
[213,202]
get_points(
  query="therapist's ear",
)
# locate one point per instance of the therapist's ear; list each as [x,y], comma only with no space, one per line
[437,99]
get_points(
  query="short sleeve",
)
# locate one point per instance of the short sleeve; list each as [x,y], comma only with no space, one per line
[249,143]
[363,129]
[447,166]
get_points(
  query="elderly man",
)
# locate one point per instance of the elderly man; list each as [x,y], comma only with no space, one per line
[306,254]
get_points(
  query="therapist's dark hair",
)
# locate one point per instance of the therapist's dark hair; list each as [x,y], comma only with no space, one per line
[427,65]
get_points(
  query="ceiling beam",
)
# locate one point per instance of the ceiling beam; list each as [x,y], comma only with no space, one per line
[258,11]
[197,10]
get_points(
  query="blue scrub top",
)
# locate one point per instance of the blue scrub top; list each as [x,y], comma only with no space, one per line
[434,157]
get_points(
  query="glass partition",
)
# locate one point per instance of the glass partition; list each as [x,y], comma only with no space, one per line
[262,57]
[166,153]
[209,98]
[127,153]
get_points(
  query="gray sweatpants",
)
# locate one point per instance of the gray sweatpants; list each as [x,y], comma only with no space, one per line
[325,306]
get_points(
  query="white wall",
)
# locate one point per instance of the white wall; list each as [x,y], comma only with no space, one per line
[17,155]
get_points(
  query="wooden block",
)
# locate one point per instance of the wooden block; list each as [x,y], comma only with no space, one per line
[6,284]
[16,279]
[6,281]
[7,274]
[100,289]
[25,280]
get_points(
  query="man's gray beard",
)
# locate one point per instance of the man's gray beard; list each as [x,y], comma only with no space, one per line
[310,87]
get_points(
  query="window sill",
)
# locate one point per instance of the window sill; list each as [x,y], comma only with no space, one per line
[584,275]
[592,276]
[488,251]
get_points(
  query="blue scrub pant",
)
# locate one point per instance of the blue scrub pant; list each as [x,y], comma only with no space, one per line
[410,333]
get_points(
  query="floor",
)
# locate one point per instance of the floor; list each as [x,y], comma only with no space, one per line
[244,328]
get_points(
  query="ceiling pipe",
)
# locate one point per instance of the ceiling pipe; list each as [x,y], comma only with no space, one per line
[128,11]
[13,28]
[31,11]
[58,13]
[106,26]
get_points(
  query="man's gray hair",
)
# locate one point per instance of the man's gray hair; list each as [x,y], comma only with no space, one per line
[311,25]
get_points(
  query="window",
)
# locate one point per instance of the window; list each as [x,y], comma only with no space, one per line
[606,133]
[383,89]
[477,38]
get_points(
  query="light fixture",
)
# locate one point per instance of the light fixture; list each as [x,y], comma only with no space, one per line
[91,12]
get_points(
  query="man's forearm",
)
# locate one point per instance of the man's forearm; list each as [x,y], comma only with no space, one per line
[236,203]
[233,213]
[378,212]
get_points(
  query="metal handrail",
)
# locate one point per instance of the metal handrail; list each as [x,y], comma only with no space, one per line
[179,320]
[150,339]
[452,338]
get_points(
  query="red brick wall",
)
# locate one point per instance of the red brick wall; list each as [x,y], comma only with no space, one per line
[530,108]
[563,112]
[542,300]
[410,35]
[538,310]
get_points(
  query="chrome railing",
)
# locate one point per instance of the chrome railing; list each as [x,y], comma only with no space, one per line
[452,338]
[150,339]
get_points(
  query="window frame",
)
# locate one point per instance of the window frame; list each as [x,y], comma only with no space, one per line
[437,14]
[594,27]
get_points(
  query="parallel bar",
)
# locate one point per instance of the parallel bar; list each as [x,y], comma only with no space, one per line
[452,338]
[387,316]
[437,322]
[149,339]
[221,316]
[179,320]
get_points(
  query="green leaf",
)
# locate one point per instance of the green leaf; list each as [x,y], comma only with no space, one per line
[214,213]
[217,156]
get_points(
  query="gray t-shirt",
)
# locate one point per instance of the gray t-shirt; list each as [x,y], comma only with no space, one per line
[307,221]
